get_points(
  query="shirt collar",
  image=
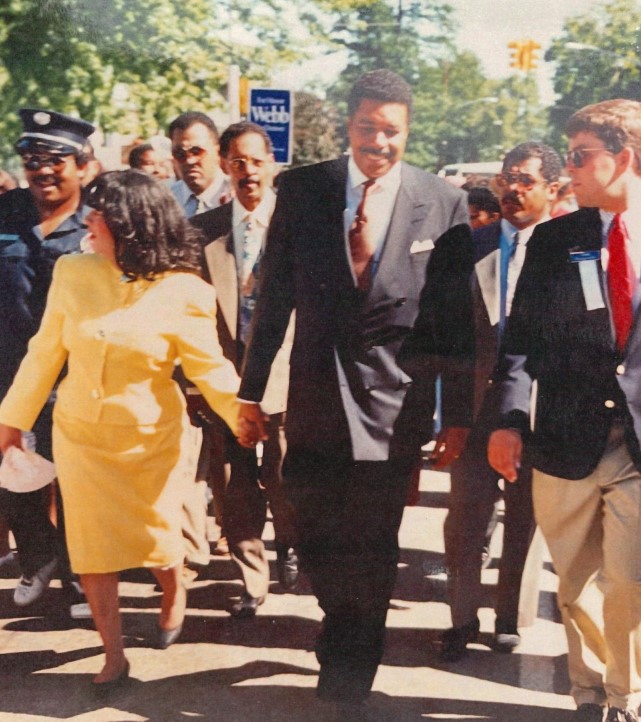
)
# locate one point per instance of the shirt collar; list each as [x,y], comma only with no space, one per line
[261,214]
[508,230]
[391,181]
[211,195]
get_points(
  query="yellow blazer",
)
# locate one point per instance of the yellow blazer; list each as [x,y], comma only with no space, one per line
[122,340]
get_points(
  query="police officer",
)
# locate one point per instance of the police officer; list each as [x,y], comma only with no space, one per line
[37,225]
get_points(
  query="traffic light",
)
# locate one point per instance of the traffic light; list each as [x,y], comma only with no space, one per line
[530,54]
[516,54]
[523,54]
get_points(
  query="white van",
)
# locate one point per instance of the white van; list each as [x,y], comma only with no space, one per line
[462,171]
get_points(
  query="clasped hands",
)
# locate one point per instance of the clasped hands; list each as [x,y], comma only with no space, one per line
[251,425]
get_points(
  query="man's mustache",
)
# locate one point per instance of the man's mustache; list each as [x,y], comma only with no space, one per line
[511,197]
[246,181]
[376,151]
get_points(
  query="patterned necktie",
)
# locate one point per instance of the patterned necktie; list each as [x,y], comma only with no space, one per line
[621,280]
[252,246]
[360,243]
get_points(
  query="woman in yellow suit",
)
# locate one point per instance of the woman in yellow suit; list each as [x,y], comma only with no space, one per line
[121,318]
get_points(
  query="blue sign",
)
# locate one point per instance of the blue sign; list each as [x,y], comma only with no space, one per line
[273,110]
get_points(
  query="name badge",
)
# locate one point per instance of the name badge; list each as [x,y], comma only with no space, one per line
[579,256]
[589,272]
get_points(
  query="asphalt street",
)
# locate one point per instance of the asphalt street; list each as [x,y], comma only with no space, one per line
[264,669]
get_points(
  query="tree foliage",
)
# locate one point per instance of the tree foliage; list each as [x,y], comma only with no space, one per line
[132,65]
[315,130]
[598,57]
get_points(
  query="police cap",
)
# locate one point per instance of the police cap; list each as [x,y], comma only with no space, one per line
[46,131]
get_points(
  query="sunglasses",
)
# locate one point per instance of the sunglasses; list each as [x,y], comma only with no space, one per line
[576,158]
[36,162]
[181,154]
[240,164]
[523,180]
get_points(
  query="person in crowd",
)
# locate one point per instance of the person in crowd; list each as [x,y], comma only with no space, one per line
[347,249]
[7,181]
[484,207]
[94,166]
[235,236]
[565,201]
[528,185]
[574,330]
[145,158]
[195,149]
[38,224]
[121,318]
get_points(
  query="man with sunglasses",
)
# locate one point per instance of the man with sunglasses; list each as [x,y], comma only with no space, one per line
[527,189]
[194,147]
[37,225]
[235,241]
[574,330]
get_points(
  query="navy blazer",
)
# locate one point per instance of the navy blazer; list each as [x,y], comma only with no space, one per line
[583,382]
[347,390]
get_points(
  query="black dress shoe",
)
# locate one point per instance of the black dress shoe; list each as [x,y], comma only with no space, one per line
[104,689]
[588,712]
[166,637]
[506,637]
[456,639]
[286,566]
[616,714]
[343,683]
[246,607]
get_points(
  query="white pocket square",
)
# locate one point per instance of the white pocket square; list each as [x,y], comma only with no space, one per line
[420,246]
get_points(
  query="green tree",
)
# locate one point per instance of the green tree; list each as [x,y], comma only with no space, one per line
[315,130]
[132,65]
[597,58]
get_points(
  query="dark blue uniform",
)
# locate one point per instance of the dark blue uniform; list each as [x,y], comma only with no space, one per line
[26,265]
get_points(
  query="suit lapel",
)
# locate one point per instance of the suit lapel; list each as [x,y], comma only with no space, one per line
[410,211]
[487,272]
[222,268]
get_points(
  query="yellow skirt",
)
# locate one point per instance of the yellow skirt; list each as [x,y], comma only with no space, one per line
[123,489]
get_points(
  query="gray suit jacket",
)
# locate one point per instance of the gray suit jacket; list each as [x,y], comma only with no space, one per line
[347,392]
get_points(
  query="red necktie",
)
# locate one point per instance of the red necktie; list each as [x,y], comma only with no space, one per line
[360,244]
[621,280]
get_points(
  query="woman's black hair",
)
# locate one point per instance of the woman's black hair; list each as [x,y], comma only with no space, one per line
[151,232]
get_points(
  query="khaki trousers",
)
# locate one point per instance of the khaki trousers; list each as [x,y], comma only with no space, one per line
[592,527]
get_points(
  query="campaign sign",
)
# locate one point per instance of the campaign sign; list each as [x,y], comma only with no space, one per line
[272,109]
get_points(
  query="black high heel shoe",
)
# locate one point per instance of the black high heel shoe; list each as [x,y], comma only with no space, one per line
[102,689]
[166,637]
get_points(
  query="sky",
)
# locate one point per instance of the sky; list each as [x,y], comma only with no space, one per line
[485,27]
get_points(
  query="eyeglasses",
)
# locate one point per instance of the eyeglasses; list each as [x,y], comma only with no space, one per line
[242,163]
[576,159]
[35,162]
[181,154]
[523,180]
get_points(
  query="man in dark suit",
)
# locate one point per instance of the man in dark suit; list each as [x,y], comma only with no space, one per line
[235,238]
[347,249]
[574,328]
[527,186]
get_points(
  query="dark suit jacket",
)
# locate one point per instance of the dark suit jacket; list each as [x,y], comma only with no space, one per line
[346,390]
[583,382]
